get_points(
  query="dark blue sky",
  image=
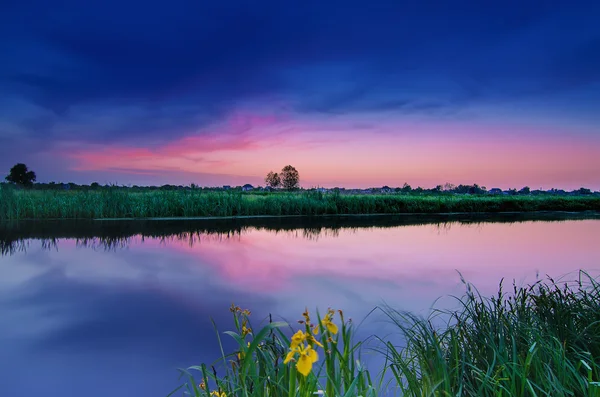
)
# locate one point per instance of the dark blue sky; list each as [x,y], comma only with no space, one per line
[87,77]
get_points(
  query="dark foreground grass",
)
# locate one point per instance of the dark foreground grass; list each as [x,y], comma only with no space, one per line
[538,340]
[118,203]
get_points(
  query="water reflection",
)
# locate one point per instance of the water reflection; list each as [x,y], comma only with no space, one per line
[111,235]
[121,305]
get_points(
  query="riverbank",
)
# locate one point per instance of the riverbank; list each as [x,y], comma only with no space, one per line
[118,203]
[539,339]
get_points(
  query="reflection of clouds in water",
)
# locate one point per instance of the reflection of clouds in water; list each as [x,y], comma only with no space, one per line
[263,261]
[159,326]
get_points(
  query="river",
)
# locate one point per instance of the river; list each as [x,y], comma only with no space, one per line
[113,308]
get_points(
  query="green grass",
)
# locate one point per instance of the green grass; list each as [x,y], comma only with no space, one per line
[538,340]
[120,203]
[259,365]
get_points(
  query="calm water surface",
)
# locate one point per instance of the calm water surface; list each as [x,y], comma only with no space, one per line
[118,314]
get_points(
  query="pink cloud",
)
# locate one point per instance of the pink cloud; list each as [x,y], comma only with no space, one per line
[331,152]
[187,154]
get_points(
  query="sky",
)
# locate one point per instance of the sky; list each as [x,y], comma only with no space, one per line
[354,93]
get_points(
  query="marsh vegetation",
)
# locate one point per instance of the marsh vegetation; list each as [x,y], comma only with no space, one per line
[18,204]
[541,339]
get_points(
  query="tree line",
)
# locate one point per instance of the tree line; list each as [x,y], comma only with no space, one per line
[288,179]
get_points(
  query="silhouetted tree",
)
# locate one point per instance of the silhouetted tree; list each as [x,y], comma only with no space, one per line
[449,187]
[273,179]
[20,175]
[525,190]
[469,189]
[583,190]
[290,178]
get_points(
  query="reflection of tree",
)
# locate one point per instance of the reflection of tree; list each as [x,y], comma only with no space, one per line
[116,235]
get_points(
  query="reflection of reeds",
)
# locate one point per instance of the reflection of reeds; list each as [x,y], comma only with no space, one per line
[105,243]
[538,340]
[13,247]
[122,203]
[112,235]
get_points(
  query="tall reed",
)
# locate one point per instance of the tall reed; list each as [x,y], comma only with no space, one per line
[539,340]
[122,203]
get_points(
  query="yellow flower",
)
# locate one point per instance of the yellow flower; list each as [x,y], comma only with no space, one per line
[308,356]
[297,339]
[327,323]
[290,356]
[242,354]
[218,394]
[245,329]
[301,337]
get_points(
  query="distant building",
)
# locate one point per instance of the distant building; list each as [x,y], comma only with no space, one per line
[247,187]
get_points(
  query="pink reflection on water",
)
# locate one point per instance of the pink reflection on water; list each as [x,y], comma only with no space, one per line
[410,262]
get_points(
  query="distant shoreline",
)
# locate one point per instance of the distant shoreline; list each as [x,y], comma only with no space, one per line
[20,204]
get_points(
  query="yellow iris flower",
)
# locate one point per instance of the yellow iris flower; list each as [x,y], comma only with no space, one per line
[331,327]
[308,356]
[300,337]
[246,330]
[328,324]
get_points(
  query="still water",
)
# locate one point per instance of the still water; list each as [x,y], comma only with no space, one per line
[113,309]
